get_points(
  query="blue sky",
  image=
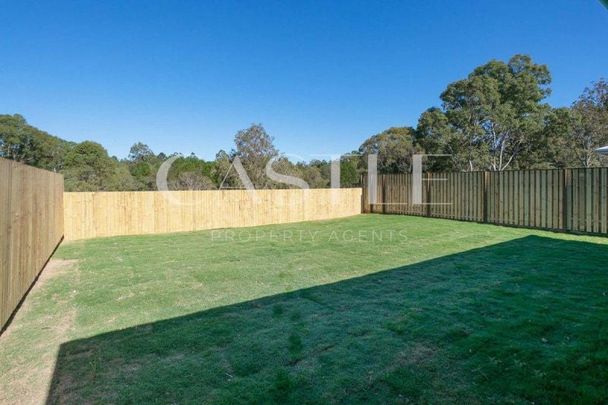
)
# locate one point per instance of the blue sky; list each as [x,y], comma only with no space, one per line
[320,76]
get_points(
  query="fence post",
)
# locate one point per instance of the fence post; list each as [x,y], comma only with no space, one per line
[428,194]
[383,177]
[364,196]
[486,181]
[567,188]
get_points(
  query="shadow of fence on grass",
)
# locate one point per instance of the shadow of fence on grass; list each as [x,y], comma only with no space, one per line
[521,320]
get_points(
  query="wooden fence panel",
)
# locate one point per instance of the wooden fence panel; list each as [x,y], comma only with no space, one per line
[31,227]
[99,214]
[573,200]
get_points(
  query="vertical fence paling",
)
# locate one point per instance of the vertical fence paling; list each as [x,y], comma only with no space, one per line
[31,227]
[574,200]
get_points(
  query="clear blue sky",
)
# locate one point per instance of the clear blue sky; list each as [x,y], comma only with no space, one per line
[320,76]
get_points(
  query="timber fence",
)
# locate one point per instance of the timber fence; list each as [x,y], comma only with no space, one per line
[572,200]
[100,214]
[31,227]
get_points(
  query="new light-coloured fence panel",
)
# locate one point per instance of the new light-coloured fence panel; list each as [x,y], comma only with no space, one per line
[573,200]
[31,227]
[99,214]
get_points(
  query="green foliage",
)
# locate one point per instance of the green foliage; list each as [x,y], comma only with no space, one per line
[350,175]
[435,135]
[121,179]
[560,145]
[573,134]
[24,143]
[224,174]
[254,147]
[143,165]
[191,173]
[313,175]
[141,152]
[491,118]
[88,167]
[494,119]
[590,124]
[394,147]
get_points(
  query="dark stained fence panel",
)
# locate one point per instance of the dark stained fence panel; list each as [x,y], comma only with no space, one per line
[573,200]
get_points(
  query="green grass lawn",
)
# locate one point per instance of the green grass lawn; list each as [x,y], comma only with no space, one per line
[366,309]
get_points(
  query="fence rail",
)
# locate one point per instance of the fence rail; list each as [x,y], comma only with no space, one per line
[573,200]
[100,214]
[31,227]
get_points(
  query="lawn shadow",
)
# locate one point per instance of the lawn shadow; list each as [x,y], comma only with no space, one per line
[521,320]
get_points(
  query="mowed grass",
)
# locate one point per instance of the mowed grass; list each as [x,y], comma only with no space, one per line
[366,309]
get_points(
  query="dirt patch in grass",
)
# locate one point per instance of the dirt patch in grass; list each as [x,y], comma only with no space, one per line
[54,268]
[29,346]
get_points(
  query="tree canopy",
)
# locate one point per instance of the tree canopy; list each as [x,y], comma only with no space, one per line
[394,147]
[489,120]
[24,143]
[494,119]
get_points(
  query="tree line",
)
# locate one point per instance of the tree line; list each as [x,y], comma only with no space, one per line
[495,119]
